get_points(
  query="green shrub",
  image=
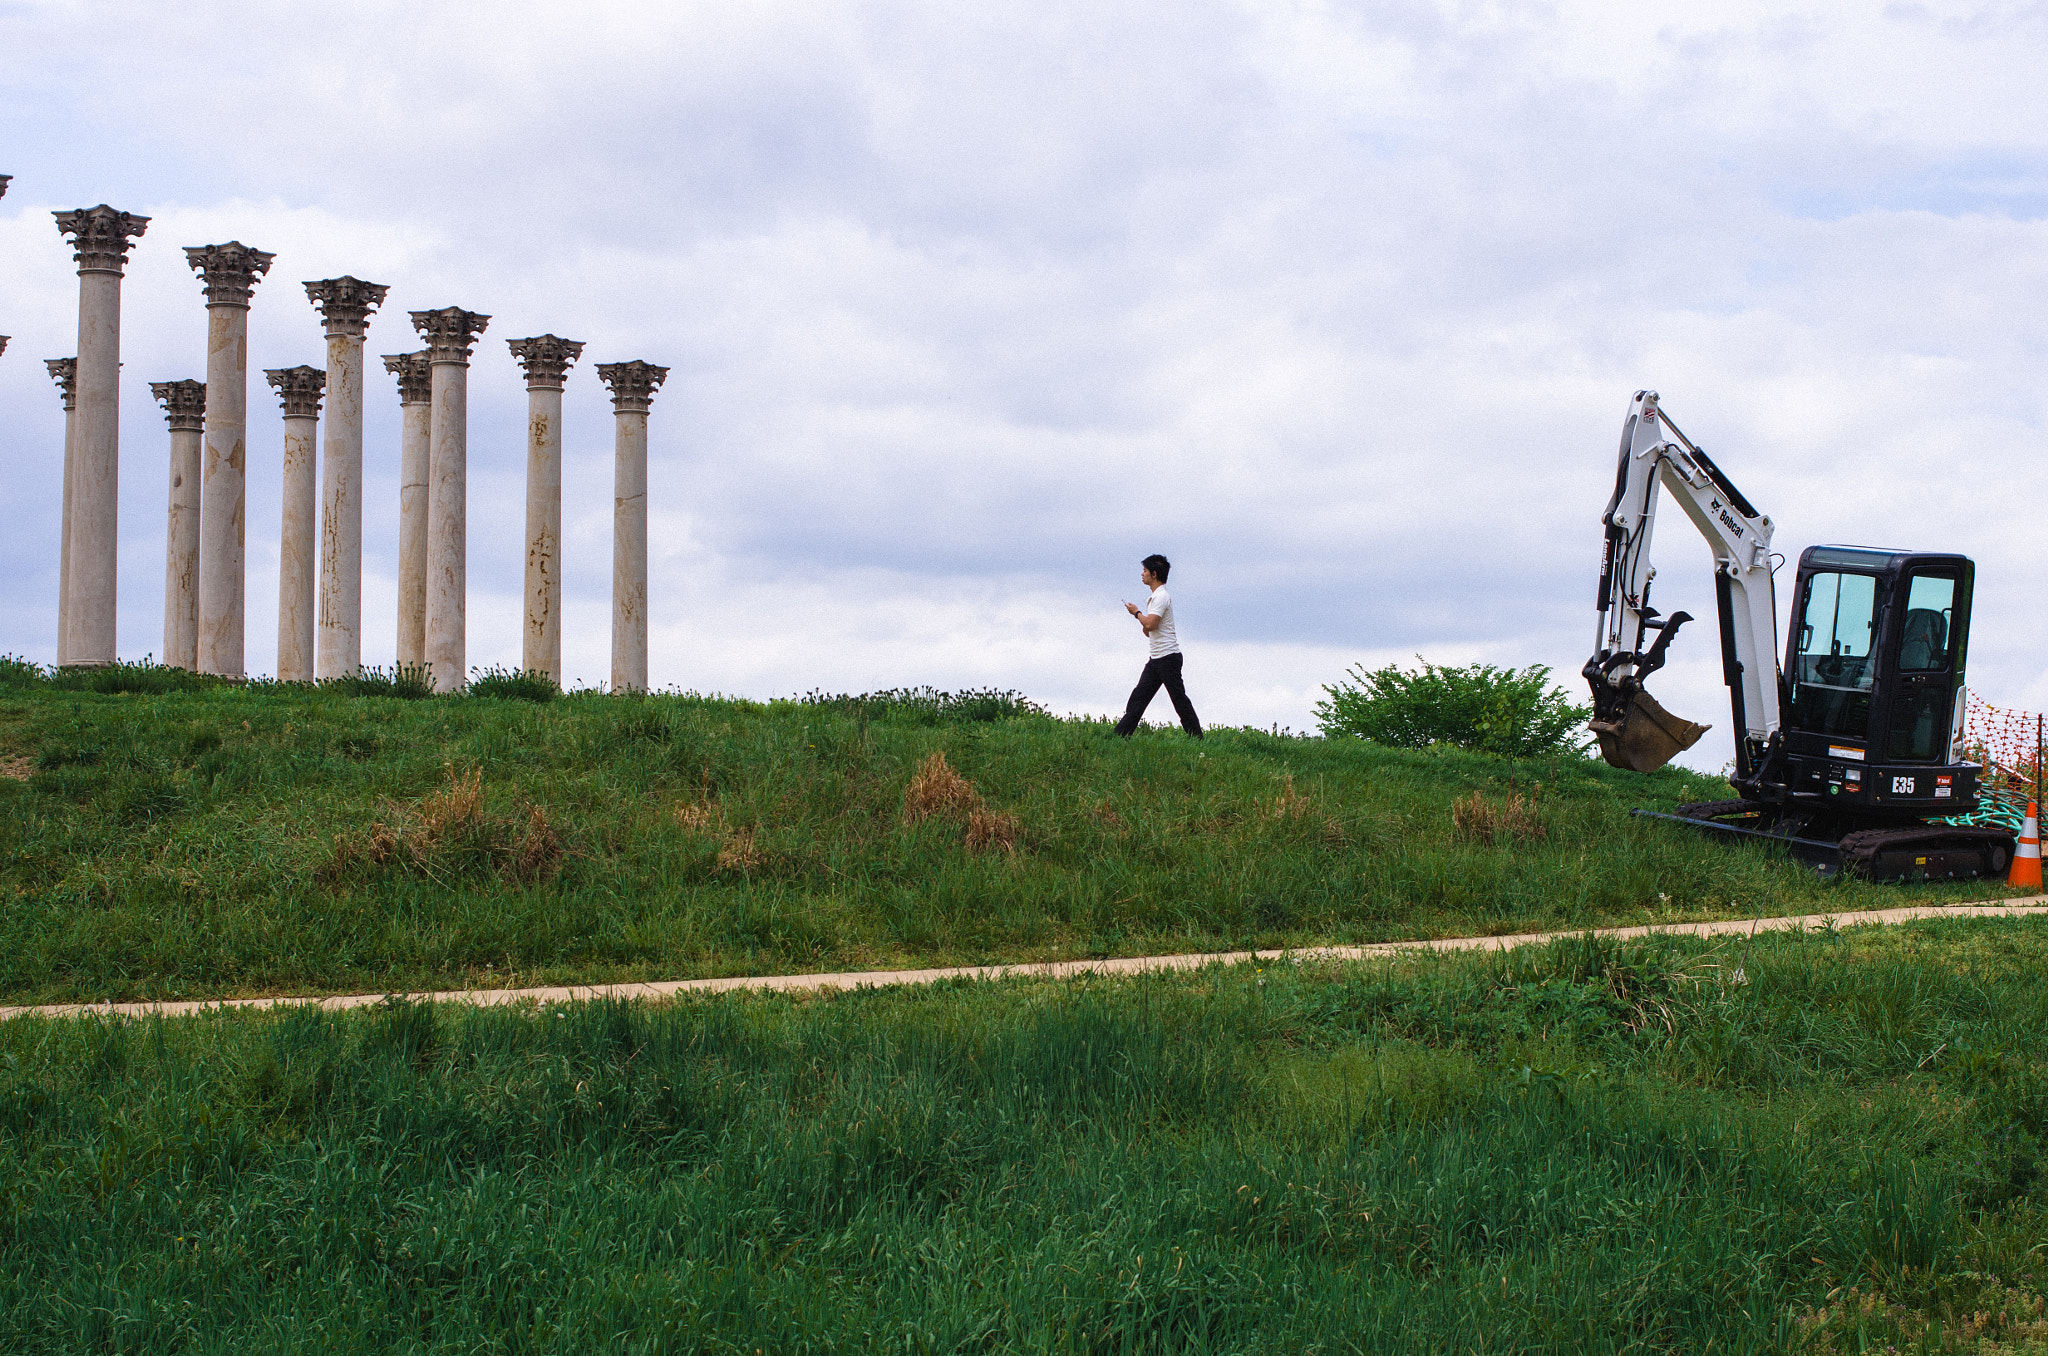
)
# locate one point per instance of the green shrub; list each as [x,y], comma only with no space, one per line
[1481,707]
[525,685]
[18,672]
[145,677]
[408,682]
[929,706]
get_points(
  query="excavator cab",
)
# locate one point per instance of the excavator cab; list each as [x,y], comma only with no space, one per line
[1873,675]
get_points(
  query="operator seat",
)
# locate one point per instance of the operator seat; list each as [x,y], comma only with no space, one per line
[1925,642]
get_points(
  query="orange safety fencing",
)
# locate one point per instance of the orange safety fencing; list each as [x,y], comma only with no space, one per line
[2007,741]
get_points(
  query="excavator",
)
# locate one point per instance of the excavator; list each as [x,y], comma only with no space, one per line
[1850,753]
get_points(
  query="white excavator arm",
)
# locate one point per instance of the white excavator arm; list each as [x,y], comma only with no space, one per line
[1633,731]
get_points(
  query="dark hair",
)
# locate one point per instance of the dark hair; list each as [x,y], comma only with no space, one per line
[1159,565]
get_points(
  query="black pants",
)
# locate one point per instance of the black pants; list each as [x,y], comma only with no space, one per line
[1162,671]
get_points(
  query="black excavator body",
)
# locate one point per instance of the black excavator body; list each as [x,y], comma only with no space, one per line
[1869,752]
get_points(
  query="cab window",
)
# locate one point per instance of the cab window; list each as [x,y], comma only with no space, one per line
[1833,668]
[1925,637]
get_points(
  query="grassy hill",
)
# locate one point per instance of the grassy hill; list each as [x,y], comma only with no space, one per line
[166,836]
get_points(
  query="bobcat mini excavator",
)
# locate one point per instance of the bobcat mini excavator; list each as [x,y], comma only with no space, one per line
[1847,752]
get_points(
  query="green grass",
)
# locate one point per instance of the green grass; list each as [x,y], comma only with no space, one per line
[181,837]
[1827,1142]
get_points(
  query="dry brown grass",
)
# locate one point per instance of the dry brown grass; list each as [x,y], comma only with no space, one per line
[540,850]
[1289,804]
[700,817]
[1105,815]
[992,830]
[1479,820]
[447,829]
[17,769]
[739,852]
[936,789]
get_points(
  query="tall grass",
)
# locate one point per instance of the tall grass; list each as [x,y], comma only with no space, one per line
[199,838]
[1831,1139]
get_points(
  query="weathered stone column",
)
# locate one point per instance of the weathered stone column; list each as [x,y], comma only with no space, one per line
[546,359]
[415,400]
[184,405]
[345,304]
[100,240]
[632,386]
[64,371]
[230,272]
[298,389]
[449,332]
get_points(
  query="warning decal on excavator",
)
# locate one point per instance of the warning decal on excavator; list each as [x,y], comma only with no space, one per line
[1837,751]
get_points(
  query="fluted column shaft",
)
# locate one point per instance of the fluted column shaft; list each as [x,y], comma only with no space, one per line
[64,371]
[414,461]
[345,304]
[64,533]
[295,574]
[633,385]
[341,518]
[223,491]
[230,272]
[448,527]
[299,388]
[185,409]
[101,241]
[546,359]
[629,553]
[449,333]
[95,472]
[541,650]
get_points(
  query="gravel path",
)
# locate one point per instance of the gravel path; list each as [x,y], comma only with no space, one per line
[856,979]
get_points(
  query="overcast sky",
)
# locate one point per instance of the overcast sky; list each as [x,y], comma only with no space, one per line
[969,307]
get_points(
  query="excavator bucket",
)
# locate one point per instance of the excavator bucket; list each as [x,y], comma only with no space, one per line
[1647,737]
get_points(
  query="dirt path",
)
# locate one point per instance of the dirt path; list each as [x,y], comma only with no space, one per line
[855,979]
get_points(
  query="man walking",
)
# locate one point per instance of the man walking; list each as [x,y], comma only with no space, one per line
[1163,668]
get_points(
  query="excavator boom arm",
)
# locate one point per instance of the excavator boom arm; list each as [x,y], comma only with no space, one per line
[1633,731]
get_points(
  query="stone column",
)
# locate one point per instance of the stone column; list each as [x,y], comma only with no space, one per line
[100,241]
[298,388]
[632,386]
[416,407]
[184,405]
[449,332]
[345,304]
[64,371]
[546,360]
[230,272]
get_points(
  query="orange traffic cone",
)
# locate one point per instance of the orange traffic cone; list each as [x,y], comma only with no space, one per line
[2026,863]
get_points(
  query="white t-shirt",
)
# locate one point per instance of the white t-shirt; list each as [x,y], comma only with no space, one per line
[1162,639]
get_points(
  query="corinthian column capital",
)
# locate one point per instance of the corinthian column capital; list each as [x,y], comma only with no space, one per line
[4,178]
[229,271]
[184,403]
[100,236]
[632,384]
[64,371]
[546,359]
[3,342]
[449,332]
[345,303]
[415,376]
[299,389]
